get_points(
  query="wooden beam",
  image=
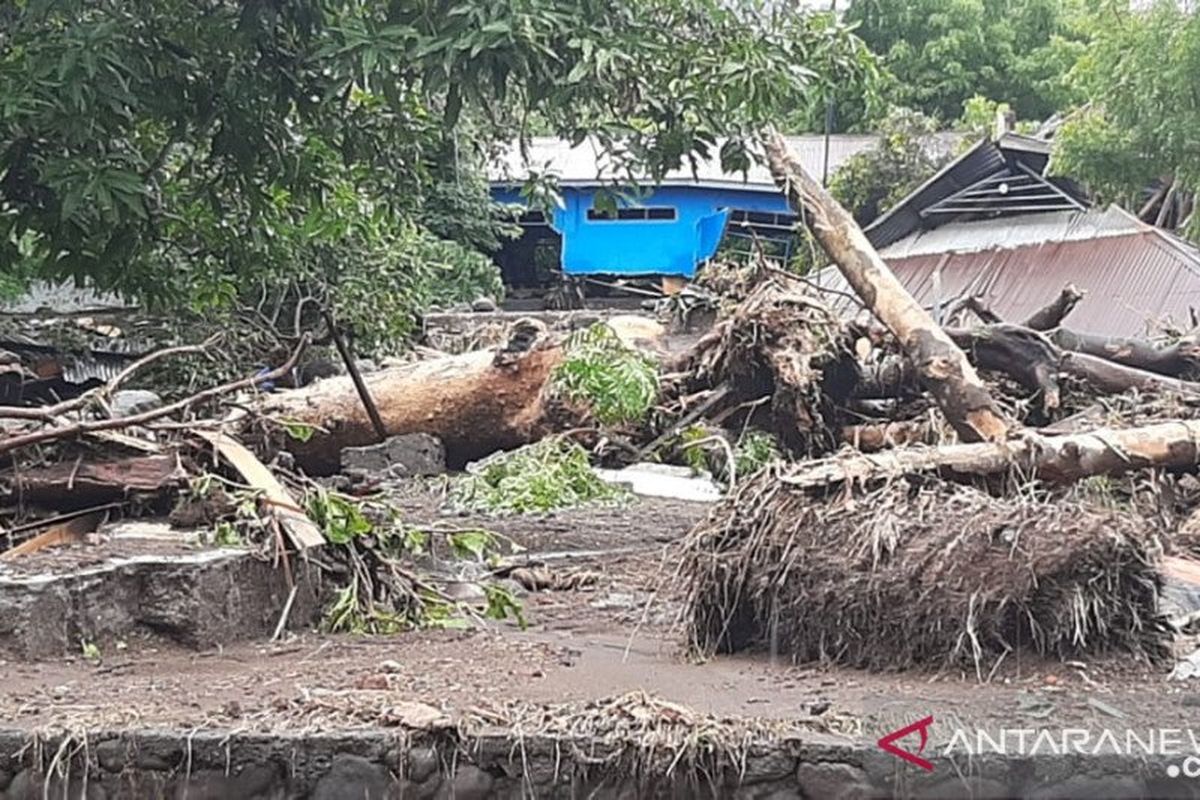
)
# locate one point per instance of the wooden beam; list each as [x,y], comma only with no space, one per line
[301,530]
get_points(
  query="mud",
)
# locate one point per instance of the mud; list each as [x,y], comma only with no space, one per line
[314,716]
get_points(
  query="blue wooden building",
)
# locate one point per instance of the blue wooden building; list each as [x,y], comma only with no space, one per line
[669,230]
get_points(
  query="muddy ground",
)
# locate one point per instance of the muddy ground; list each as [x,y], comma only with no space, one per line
[610,638]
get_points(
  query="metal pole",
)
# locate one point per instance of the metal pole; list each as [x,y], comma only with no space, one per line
[356,376]
[828,116]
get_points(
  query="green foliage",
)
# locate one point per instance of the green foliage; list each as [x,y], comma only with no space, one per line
[91,652]
[694,455]
[474,544]
[869,183]
[940,53]
[1140,74]
[502,604]
[616,382]
[754,450]
[551,474]
[382,598]
[340,518]
[226,534]
[299,431]
[352,612]
[274,154]
[979,119]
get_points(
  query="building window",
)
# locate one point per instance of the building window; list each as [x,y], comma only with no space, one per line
[658,214]
[763,219]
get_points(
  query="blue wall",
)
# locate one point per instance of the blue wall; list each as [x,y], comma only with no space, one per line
[648,247]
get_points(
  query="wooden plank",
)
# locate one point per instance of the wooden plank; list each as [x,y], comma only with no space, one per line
[98,481]
[69,532]
[302,531]
[125,440]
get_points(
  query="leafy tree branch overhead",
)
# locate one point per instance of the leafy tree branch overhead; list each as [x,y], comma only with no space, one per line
[175,150]
[1143,122]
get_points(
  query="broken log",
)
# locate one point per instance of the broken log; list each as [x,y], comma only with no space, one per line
[1025,355]
[79,483]
[1053,314]
[1034,361]
[1180,359]
[1058,459]
[943,368]
[1113,378]
[476,403]
[873,437]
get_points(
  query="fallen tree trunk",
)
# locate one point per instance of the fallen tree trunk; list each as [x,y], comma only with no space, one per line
[476,403]
[943,368]
[1179,360]
[1035,362]
[1057,459]
[1024,354]
[1109,376]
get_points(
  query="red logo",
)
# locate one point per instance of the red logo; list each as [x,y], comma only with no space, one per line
[887,743]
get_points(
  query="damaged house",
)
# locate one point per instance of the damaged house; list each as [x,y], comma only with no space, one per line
[994,225]
[668,230]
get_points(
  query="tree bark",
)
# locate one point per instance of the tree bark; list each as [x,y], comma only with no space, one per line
[1113,378]
[871,437]
[1024,354]
[1053,314]
[1058,459]
[1179,360]
[943,368]
[76,484]
[476,403]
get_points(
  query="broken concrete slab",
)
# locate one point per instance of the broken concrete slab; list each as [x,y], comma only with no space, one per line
[199,599]
[401,456]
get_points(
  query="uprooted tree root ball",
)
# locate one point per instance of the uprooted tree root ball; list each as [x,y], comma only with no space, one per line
[787,358]
[918,574]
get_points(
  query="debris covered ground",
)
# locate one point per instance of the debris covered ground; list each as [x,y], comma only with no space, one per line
[872,515]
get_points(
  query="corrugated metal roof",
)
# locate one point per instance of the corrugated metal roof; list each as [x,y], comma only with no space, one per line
[62,298]
[586,163]
[1015,231]
[1133,278]
[903,218]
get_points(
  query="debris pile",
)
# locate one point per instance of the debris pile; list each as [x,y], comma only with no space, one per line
[899,492]
[921,572]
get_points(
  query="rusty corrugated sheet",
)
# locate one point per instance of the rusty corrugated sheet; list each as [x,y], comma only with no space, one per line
[1133,281]
[1136,276]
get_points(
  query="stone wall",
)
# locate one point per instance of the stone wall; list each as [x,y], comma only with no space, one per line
[370,765]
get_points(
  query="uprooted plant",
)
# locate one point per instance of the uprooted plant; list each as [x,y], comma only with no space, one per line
[382,592]
[552,474]
[617,383]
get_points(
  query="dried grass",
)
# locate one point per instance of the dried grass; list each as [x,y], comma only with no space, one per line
[929,573]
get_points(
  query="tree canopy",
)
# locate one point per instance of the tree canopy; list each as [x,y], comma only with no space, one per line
[184,150]
[1143,121]
[937,54]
